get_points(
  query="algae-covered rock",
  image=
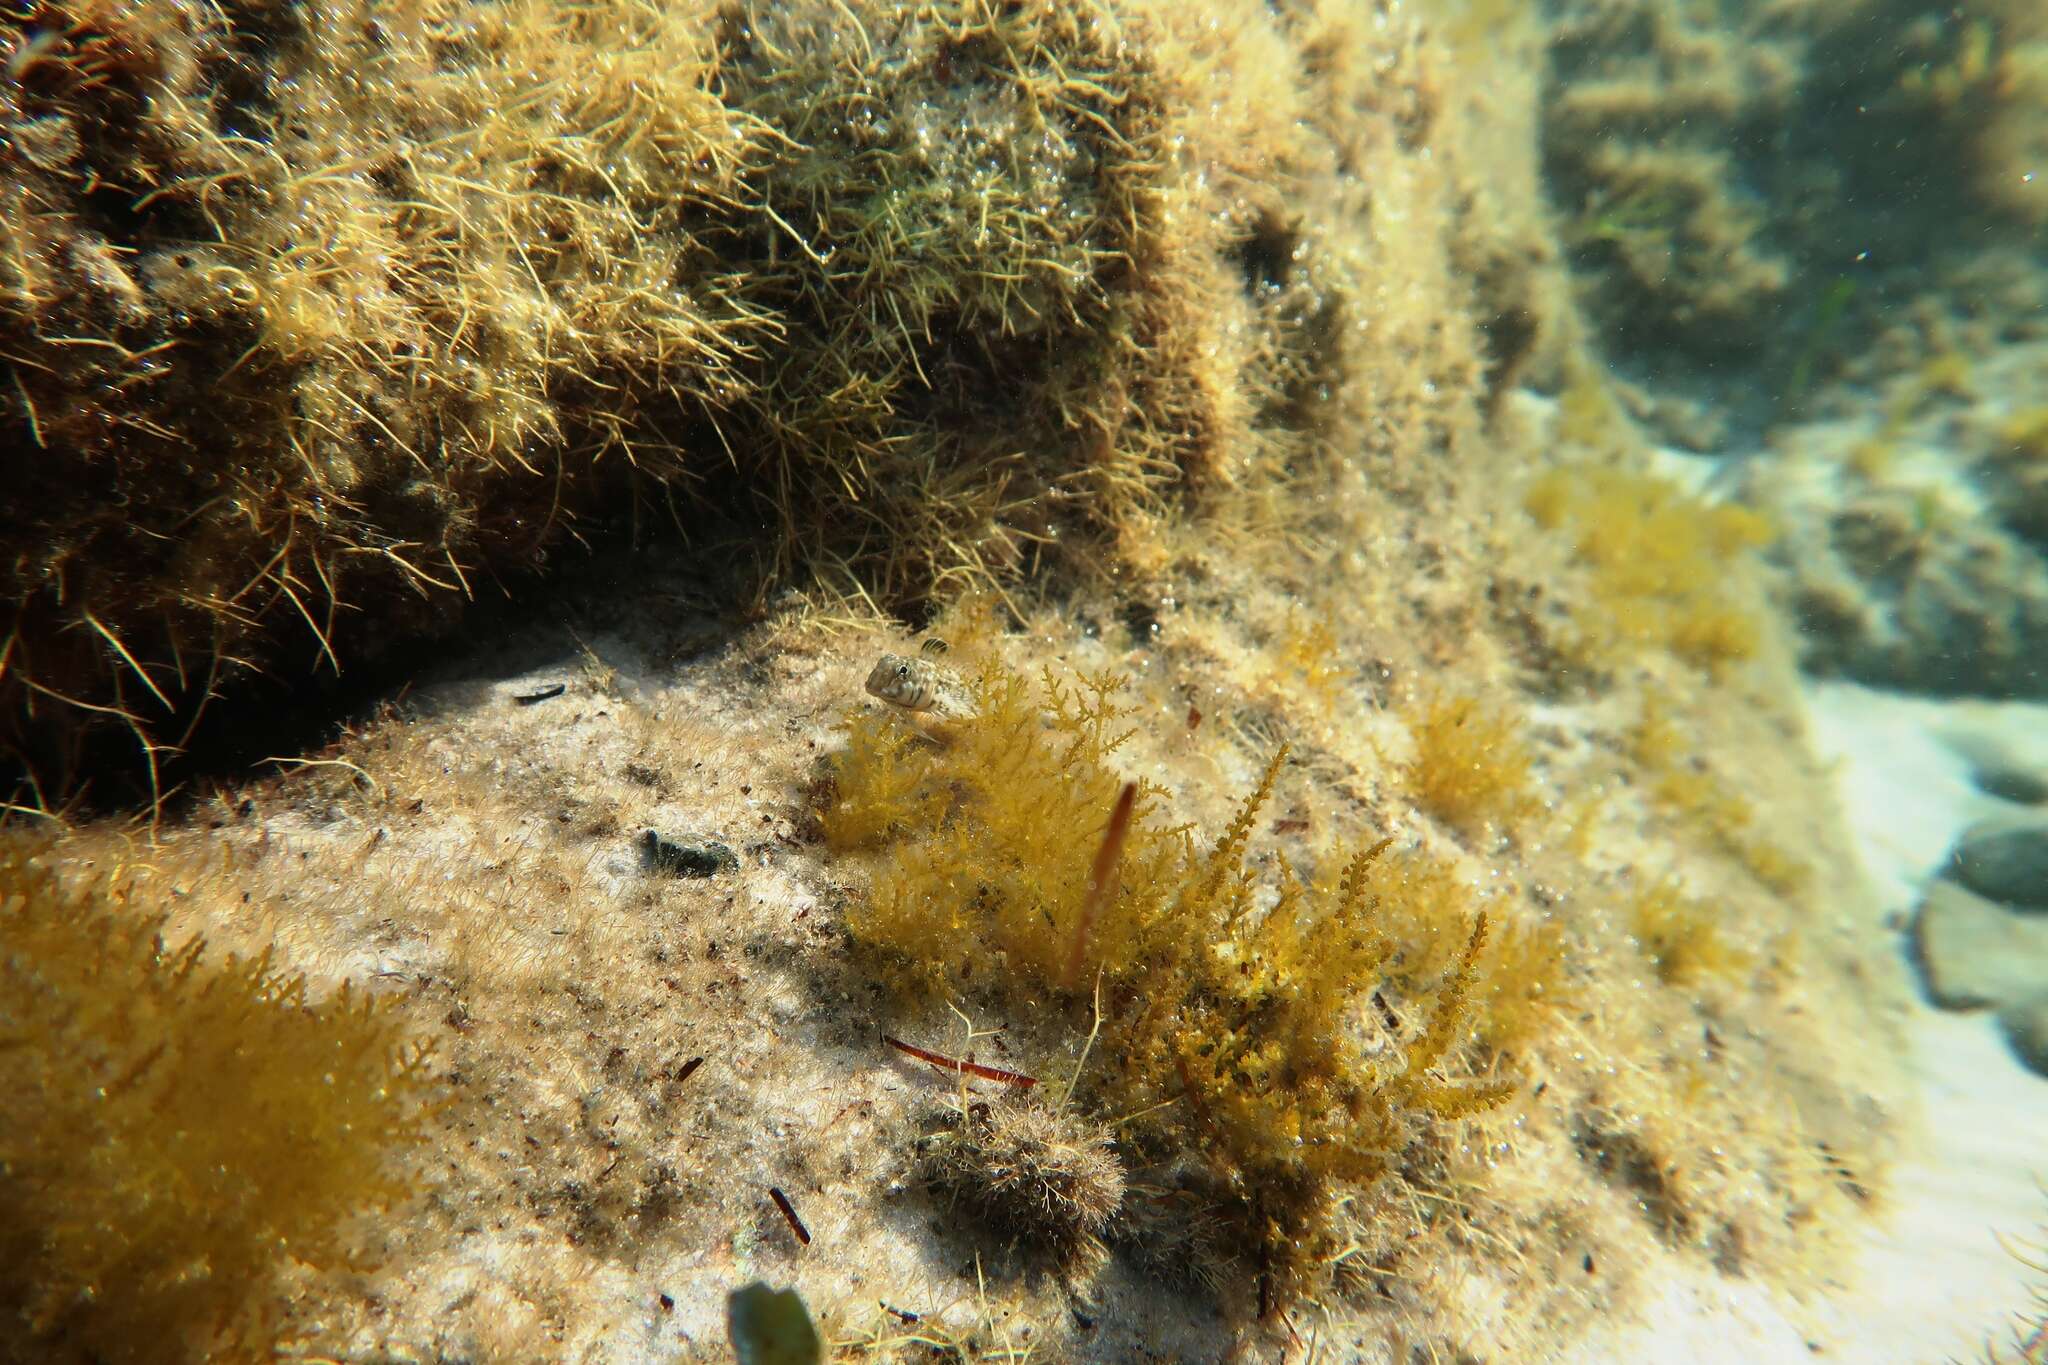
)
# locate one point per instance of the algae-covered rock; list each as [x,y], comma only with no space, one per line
[1746,189]
[1647,103]
[1915,551]
[1392,865]
[903,296]
[322,317]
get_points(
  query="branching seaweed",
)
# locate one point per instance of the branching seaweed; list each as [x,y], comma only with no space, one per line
[1233,1033]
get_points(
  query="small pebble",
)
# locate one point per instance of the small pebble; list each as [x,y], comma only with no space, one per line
[1974,953]
[2006,861]
[2019,785]
[2026,1028]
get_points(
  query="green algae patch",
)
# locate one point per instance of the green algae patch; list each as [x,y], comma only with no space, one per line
[771,1327]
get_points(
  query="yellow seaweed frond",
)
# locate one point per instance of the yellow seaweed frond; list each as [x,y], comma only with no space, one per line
[181,1127]
[1471,765]
[1231,1005]
[1660,563]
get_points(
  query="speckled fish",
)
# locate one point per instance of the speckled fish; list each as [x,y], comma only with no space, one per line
[919,685]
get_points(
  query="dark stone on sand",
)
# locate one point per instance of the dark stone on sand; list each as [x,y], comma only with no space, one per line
[1974,953]
[2026,1029]
[2005,860]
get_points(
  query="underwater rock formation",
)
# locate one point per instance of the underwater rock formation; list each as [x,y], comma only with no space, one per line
[1916,541]
[904,297]
[1745,189]
[1382,836]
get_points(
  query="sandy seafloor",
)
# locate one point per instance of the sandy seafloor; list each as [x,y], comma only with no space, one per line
[1940,1277]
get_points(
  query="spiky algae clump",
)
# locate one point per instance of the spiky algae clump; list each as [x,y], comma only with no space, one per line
[1006,316]
[932,289]
[1039,1174]
[1232,1037]
[176,1131]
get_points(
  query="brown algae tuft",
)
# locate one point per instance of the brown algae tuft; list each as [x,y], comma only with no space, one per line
[1040,1176]
[1659,561]
[176,1120]
[1229,1038]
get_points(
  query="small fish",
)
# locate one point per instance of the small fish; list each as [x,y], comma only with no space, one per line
[678,859]
[919,685]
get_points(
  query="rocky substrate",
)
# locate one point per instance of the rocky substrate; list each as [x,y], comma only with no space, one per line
[1981,934]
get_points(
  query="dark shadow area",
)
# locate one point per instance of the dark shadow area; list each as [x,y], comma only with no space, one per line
[301,705]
